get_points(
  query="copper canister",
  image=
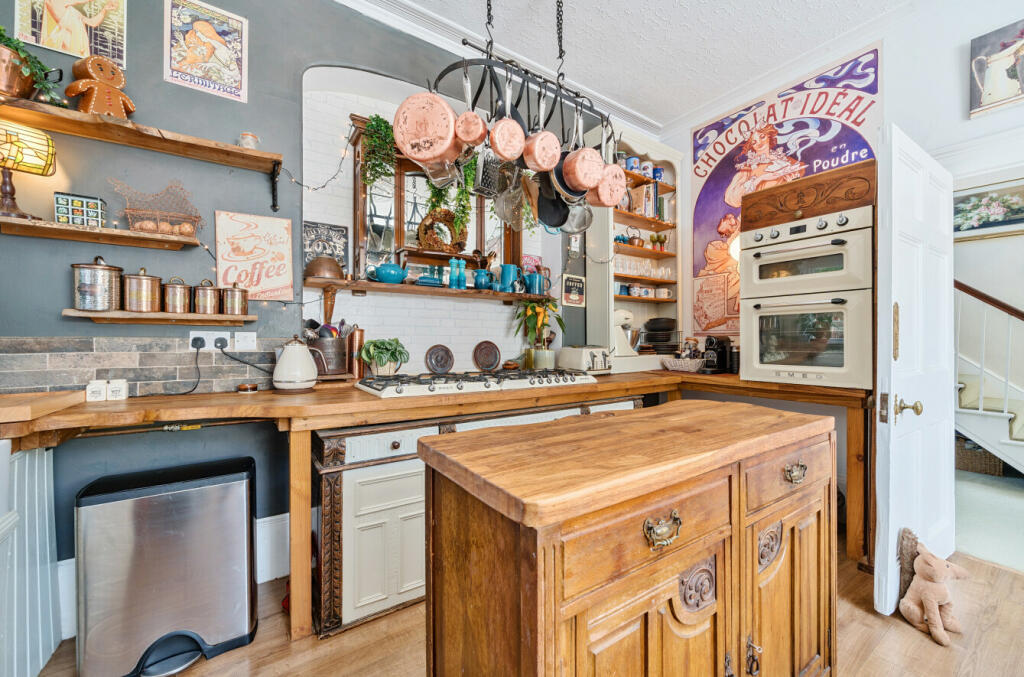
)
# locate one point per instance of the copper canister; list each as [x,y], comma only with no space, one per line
[177,296]
[97,285]
[207,298]
[142,293]
[355,345]
[235,300]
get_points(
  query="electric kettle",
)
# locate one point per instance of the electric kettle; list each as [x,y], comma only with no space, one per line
[295,370]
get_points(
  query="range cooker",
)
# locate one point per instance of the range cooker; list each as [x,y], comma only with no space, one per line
[408,385]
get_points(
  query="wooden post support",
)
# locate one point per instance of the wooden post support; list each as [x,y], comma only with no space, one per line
[855,483]
[300,541]
[329,293]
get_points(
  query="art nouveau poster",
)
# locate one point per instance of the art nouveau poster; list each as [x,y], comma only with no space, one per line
[256,252]
[206,48]
[818,123]
[77,27]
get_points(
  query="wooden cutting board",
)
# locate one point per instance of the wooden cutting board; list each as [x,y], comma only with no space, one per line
[29,406]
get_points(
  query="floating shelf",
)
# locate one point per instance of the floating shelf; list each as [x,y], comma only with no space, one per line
[637,179]
[643,299]
[125,317]
[650,223]
[63,231]
[643,252]
[645,280]
[361,287]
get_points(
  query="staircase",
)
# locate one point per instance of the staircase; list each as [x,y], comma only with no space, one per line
[990,399]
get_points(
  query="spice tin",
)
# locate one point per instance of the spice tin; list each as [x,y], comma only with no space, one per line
[97,285]
[177,296]
[207,298]
[235,300]
[142,293]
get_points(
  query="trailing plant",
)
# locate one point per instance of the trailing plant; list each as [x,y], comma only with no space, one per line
[378,150]
[382,351]
[463,205]
[32,66]
[438,197]
[534,317]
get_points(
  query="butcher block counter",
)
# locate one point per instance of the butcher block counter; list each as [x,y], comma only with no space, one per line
[695,537]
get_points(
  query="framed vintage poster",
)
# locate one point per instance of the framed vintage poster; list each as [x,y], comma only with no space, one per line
[256,252]
[531,263]
[997,68]
[574,291]
[76,27]
[983,212]
[324,239]
[206,48]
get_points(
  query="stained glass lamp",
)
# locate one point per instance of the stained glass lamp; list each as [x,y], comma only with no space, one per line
[25,150]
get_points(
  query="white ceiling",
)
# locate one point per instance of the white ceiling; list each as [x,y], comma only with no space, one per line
[648,62]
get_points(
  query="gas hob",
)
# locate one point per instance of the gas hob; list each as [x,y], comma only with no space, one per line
[407,385]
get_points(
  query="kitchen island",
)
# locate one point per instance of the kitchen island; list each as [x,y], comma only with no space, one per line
[698,539]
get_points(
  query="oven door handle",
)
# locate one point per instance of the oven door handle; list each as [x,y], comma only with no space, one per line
[817,302]
[837,242]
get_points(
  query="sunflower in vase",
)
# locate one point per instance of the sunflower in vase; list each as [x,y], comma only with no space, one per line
[534,319]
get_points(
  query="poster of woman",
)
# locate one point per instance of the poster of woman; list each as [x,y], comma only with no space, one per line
[77,27]
[206,48]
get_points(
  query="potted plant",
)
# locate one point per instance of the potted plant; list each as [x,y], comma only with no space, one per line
[534,319]
[385,356]
[21,73]
[378,150]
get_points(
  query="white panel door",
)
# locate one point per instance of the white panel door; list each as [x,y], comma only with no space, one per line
[914,471]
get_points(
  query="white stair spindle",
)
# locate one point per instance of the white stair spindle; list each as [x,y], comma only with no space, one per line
[981,367]
[956,333]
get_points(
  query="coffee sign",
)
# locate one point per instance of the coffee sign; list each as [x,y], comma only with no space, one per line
[255,252]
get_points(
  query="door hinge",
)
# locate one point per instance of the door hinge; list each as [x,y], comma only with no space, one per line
[895,331]
[883,408]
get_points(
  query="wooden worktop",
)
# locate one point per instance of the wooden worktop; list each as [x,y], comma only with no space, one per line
[608,458]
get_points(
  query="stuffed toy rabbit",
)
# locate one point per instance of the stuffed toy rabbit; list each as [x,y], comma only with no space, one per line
[927,605]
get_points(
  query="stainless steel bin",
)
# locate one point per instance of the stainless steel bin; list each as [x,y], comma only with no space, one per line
[165,567]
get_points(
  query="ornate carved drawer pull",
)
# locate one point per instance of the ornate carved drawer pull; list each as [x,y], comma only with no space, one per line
[796,472]
[661,533]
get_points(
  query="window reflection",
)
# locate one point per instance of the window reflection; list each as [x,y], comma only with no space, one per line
[380,215]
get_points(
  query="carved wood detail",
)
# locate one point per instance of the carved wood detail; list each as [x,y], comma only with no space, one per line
[327,616]
[638,403]
[768,543]
[585,410]
[446,428]
[697,585]
[330,451]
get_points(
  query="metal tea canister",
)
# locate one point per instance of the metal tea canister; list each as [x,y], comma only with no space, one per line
[177,296]
[141,292]
[97,285]
[235,300]
[207,298]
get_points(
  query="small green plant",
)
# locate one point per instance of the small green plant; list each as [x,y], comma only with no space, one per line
[462,205]
[533,317]
[382,351]
[32,66]
[378,150]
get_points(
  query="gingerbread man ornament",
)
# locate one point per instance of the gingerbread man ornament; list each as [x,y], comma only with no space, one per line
[99,81]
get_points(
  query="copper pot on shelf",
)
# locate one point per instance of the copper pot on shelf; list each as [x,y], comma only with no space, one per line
[207,298]
[141,292]
[235,300]
[635,240]
[177,296]
[324,266]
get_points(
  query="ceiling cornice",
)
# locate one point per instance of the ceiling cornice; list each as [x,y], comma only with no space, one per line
[413,20]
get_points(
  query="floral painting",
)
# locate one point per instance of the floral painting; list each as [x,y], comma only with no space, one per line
[997,68]
[76,27]
[206,48]
[989,211]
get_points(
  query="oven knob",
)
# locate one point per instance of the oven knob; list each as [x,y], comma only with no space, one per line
[774,234]
[532,380]
[572,377]
[458,386]
[758,237]
[399,389]
[431,387]
[548,379]
[487,384]
[842,220]
[823,224]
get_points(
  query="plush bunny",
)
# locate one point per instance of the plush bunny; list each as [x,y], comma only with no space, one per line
[927,604]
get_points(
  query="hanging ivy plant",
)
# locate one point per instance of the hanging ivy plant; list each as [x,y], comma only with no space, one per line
[438,197]
[463,206]
[33,67]
[378,150]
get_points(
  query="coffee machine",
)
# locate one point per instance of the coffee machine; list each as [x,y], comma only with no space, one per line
[716,355]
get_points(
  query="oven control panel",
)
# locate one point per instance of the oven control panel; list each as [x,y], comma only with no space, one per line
[827,224]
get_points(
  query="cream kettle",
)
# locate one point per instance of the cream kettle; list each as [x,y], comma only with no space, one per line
[295,369]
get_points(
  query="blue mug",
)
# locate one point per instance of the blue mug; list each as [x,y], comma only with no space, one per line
[495,286]
[482,278]
[510,275]
[537,284]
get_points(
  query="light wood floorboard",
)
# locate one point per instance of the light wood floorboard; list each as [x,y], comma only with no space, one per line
[990,605]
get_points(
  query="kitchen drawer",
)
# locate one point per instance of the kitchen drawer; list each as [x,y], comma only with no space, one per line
[781,475]
[523,419]
[382,445]
[626,405]
[602,546]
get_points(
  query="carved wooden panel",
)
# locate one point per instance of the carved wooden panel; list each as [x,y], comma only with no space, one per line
[638,403]
[825,193]
[768,543]
[446,428]
[327,580]
[329,451]
[697,586]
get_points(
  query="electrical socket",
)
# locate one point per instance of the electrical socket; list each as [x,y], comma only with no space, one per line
[245,341]
[210,337]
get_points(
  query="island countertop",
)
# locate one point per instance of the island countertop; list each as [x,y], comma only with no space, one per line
[548,472]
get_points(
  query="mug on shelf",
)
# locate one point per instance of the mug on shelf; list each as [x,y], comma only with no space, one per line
[537,284]
[663,292]
[511,277]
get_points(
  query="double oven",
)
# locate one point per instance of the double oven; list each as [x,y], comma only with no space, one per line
[806,307]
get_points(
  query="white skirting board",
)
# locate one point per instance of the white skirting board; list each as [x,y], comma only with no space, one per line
[271,562]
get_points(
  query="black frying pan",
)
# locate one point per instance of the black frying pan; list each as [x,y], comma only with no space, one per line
[551,209]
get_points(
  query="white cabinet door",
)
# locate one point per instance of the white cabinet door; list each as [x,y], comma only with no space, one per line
[382,538]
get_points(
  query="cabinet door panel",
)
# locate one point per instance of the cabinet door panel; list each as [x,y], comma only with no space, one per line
[691,627]
[623,652]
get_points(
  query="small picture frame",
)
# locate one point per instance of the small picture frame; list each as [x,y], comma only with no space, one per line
[79,210]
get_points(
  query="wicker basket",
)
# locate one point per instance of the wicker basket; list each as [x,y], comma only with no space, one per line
[685,364]
[972,458]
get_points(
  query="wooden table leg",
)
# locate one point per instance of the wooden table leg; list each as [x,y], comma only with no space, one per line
[673,395]
[299,539]
[856,451]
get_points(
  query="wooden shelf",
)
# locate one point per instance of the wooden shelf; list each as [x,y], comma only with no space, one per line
[124,317]
[645,280]
[361,287]
[642,252]
[637,179]
[643,299]
[652,224]
[63,231]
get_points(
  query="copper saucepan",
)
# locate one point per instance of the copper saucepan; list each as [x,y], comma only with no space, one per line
[542,151]
[582,167]
[425,133]
[612,186]
[507,136]
[470,127]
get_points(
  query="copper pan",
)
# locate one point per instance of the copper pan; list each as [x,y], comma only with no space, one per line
[470,127]
[507,136]
[425,130]
[542,151]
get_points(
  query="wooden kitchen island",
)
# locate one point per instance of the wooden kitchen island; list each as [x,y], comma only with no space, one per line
[692,538]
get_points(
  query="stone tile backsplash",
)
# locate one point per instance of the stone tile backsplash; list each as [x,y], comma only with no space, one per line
[152,366]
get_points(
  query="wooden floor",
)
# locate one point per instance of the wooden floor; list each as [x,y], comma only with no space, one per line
[990,606]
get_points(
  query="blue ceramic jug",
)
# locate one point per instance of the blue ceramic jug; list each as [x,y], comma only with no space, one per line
[482,278]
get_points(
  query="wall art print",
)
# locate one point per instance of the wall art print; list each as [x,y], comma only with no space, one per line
[256,252]
[997,68]
[325,239]
[819,123]
[995,210]
[206,48]
[77,27]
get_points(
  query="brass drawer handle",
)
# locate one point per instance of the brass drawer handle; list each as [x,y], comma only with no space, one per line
[796,472]
[660,534]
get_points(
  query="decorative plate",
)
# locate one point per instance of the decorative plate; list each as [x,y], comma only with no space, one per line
[486,356]
[440,359]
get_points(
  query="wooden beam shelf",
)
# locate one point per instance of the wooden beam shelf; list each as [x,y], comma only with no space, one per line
[642,252]
[637,179]
[642,279]
[643,299]
[193,319]
[64,231]
[650,223]
[361,287]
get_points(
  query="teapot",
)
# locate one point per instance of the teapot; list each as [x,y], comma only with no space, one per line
[392,273]
[295,370]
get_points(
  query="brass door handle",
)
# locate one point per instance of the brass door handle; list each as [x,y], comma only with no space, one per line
[795,473]
[660,534]
[902,406]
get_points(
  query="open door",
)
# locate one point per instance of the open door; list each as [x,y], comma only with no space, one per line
[916,381]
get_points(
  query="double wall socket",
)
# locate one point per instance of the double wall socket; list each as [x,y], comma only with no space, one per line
[209,337]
